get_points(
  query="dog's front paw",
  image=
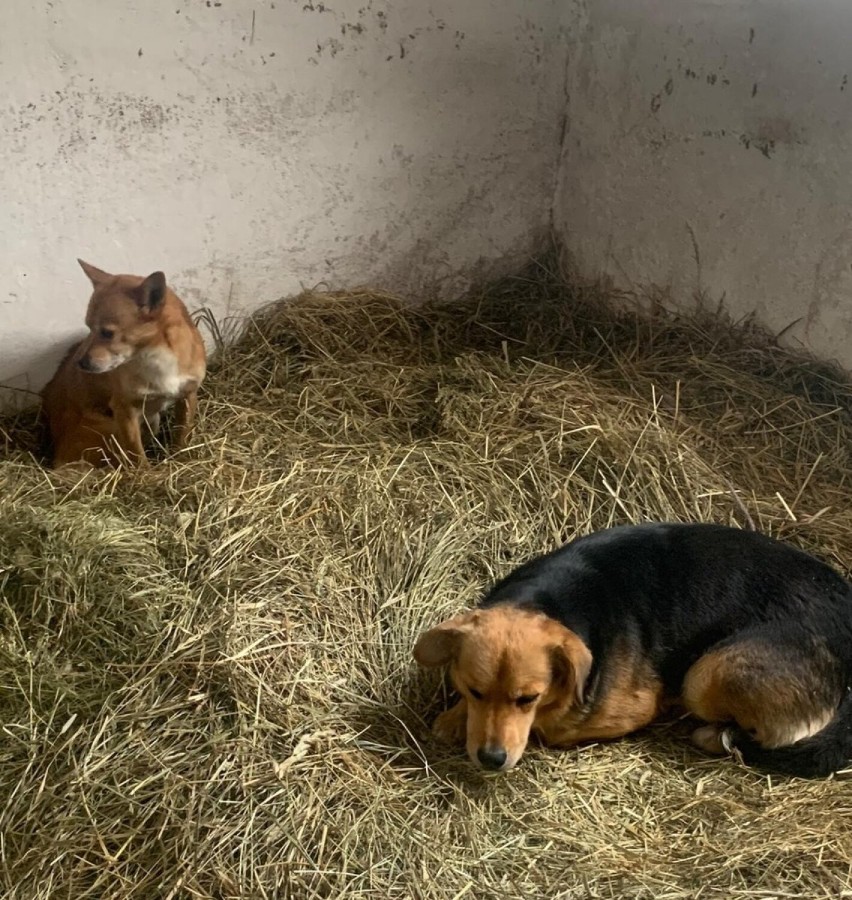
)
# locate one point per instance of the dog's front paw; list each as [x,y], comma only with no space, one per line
[451,726]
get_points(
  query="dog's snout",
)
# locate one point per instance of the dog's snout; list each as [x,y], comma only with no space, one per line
[491,757]
[85,364]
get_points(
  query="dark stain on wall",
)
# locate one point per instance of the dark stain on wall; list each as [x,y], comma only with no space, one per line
[770,134]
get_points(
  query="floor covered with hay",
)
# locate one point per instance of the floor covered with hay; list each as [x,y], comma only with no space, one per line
[206,683]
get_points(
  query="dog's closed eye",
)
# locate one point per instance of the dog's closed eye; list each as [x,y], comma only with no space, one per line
[475,694]
[526,700]
[107,333]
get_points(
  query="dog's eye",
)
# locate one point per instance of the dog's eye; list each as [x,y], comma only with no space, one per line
[107,334]
[475,694]
[526,700]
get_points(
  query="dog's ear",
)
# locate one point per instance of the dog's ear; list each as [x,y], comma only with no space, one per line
[96,276]
[151,293]
[572,662]
[439,645]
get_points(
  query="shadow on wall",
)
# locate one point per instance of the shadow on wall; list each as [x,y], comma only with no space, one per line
[414,151]
[17,392]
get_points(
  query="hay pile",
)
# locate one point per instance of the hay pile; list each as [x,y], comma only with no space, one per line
[205,678]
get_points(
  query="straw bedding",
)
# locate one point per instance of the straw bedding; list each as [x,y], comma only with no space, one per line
[206,687]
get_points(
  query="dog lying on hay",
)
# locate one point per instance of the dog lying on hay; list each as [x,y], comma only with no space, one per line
[143,354]
[596,639]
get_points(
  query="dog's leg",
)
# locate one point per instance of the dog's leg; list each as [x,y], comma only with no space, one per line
[777,690]
[184,417]
[451,725]
[634,696]
[129,433]
[152,422]
[618,715]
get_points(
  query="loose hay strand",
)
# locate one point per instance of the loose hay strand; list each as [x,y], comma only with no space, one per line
[207,688]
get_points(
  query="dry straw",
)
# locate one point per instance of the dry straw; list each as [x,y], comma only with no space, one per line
[206,687]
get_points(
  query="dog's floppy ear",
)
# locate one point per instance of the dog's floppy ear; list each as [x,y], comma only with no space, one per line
[96,276]
[439,645]
[151,293]
[572,662]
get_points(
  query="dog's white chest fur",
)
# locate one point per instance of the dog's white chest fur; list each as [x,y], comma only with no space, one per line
[157,376]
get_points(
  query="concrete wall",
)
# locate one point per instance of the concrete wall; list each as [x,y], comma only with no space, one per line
[252,147]
[709,147]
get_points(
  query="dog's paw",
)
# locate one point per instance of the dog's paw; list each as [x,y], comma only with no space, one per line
[715,739]
[451,726]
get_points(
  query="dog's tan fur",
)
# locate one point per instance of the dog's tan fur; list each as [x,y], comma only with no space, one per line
[634,698]
[142,354]
[750,684]
[506,653]
[498,655]
[515,670]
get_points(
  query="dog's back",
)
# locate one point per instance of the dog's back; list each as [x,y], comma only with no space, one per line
[681,587]
[54,398]
[76,419]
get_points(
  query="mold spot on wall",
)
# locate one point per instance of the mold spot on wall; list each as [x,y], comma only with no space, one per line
[240,158]
[125,117]
[332,46]
[398,153]
[770,133]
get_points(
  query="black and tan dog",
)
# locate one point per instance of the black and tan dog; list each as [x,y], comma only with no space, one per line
[596,639]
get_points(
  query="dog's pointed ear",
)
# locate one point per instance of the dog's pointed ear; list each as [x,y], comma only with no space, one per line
[439,645]
[96,276]
[572,662]
[151,293]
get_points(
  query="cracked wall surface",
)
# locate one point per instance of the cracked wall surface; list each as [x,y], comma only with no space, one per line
[708,148]
[250,149]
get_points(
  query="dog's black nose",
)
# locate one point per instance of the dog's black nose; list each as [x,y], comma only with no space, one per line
[84,364]
[491,757]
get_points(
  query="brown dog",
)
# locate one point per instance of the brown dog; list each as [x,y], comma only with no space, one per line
[598,638]
[143,354]
[516,671]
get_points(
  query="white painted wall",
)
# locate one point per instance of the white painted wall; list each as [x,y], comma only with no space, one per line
[252,147]
[729,121]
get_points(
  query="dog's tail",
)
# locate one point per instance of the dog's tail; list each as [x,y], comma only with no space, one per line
[816,756]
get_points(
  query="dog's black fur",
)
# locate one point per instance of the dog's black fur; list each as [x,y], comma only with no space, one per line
[675,591]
